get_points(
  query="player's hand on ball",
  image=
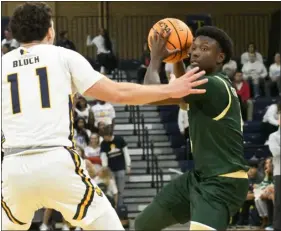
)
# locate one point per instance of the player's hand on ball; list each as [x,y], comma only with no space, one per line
[158,46]
[185,85]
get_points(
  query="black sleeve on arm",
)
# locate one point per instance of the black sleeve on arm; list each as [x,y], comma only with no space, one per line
[123,142]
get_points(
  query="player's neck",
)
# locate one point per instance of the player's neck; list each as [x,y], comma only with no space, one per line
[27,45]
[215,70]
[95,145]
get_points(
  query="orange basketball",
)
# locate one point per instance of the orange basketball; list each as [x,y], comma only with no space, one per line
[181,37]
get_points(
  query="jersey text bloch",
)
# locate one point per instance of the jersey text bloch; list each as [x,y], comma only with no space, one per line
[24,62]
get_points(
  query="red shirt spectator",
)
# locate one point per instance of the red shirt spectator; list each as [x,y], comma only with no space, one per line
[242,87]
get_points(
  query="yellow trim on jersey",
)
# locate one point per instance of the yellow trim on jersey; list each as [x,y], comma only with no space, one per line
[10,215]
[199,226]
[71,117]
[223,113]
[86,201]
[239,174]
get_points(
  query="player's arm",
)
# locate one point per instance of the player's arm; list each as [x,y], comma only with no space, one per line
[93,84]
[152,77]
[159,52]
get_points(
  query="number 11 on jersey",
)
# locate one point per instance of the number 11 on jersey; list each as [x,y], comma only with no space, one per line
[43,85]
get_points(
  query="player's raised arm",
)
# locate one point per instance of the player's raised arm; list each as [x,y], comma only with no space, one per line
[91,83]
[158,53]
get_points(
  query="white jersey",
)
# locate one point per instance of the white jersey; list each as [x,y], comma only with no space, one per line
[37,95]
[103,113]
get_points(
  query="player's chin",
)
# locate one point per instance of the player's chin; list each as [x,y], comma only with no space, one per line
[195,64]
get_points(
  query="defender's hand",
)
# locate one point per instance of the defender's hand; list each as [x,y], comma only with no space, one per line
[158,46]
[184,85]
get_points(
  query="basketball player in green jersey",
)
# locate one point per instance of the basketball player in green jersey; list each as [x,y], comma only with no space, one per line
[214,191]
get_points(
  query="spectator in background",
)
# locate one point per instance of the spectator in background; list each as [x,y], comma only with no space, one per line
[82,108]
[81,134]
[243,90]
[245,57]
[105,56]
[101,126]
[274,147]
[64,41]
[270,121]
[274,85]
[107,184]
[260,191]
[255,72]
[169,69]
[6,48]
[92,151]
[145,60]
[10,40]
[231,65]
[255,177]
[103,112]
[115,155]
[183,120]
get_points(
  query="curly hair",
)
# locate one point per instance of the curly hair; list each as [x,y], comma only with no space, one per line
[31,22]
[221,37]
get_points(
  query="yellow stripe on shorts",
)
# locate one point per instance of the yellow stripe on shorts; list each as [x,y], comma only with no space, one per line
[9,214]
[87,199]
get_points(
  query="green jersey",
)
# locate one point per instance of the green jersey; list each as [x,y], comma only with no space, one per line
[216,128]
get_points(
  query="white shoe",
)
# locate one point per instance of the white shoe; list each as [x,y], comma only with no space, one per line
[77,229]
[65,227]
[43,227]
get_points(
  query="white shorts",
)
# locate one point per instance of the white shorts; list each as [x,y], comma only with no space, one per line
[55,179]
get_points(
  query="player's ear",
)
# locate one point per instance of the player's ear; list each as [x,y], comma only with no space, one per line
[51,33]
[220,57]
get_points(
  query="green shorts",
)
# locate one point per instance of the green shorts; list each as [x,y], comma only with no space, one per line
[210,201]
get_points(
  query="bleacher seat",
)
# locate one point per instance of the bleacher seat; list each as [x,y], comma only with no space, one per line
[177,141]
[168,108]
[258,114]
[181,153]
[172,128]
[262,103]
[252,127]
[186,165]
[253,138]
[169,116]
[259,151]
[130,64]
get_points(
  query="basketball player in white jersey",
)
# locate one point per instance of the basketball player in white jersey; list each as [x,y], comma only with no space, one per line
[40,167]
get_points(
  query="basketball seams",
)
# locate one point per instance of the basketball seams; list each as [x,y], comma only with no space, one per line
[177,35]
[167,41]
[172,57]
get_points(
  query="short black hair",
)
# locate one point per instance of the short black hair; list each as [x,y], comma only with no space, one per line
[221,37]
[108,131]
[7,46]
[63,33]
[31,22]
[254,45]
